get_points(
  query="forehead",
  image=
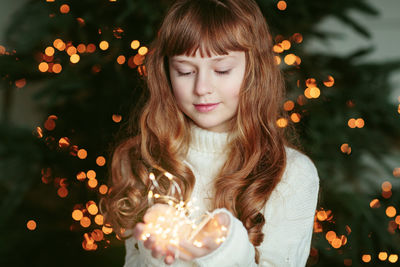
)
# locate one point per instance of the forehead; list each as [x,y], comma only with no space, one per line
[230,56]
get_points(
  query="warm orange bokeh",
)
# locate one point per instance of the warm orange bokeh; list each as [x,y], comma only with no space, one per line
[82,153]
[393,258]
[91,174]
[81,176]
[99,219]
[295,117]
[391,211]
[90,48]
[43,67]
[101,161]
[103,189]
[330,236]
[121,59]
[85,222]
[57,68]
[282,122]
[116,118]
[20,83]
[92,183]
[290,59]
[143,50]
[366,258]
[81,48]
[31,225]
[329,82]
[375,203]
[135,44]
[49,51]
[386,186]
[64,9]
[289,105]
[382,255]
[282,5]
[77,215]
[62,192]
[104,45]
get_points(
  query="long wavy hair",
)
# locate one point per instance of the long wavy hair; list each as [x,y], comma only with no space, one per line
[256,157]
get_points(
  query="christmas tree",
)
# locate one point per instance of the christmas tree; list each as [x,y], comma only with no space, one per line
[86,59]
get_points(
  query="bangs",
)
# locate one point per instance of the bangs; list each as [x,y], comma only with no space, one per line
[208,26]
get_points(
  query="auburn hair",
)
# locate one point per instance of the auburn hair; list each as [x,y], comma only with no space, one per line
[256,159]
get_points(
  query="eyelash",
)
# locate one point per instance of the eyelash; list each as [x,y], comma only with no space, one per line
[218,72]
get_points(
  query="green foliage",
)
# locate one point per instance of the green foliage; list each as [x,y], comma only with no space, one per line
[84,96]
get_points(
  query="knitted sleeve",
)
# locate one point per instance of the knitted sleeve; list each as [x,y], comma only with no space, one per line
[289,215]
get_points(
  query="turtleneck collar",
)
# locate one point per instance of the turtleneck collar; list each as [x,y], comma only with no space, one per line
[208,141]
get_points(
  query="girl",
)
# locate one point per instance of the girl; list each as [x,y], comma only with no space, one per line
[215,94]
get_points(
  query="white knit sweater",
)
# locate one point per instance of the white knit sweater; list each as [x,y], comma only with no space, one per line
[289,212]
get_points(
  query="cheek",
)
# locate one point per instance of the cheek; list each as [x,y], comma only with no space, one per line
[180,93]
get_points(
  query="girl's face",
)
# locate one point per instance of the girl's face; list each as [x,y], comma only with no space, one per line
[207,89]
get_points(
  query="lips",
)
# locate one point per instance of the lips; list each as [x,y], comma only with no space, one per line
[206,107]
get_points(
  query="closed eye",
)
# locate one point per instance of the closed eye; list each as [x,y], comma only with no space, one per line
[223,72]
[184,73]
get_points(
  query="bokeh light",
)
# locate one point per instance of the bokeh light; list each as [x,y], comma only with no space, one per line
[366,258]
[43,67]
[99,219]
[391,211]
[81,176]
[295,117]
[143,51]
[103,189]
[64,9]
[121,59]
[92,183]
[290,59]
[282,5]
[116,118]
[329,82]
[288,105]
[31,225]
[81,48]
[49,51]
[77,215]
[135,44]
[375,203]
[91,174]
[20,83]
[282,122]
[82,153]
[386,186]
[104,45]
[382,255]
[101,161]
[57,68]
[85,222]
[393,258]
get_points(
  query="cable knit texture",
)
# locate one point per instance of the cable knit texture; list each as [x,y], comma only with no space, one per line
[289,212]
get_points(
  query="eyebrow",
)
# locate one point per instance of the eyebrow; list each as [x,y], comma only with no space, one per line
[213,60]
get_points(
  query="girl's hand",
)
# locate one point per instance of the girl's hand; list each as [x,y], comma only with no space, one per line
[157,251]
[206,241]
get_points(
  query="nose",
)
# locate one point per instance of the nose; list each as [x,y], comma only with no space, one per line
[203,84]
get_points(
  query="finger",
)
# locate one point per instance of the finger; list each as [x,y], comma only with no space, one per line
[156,252]
[180,253]
[149,242]
[169,259]
[138,230]
[195,251]
[222,218]
[210,243]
